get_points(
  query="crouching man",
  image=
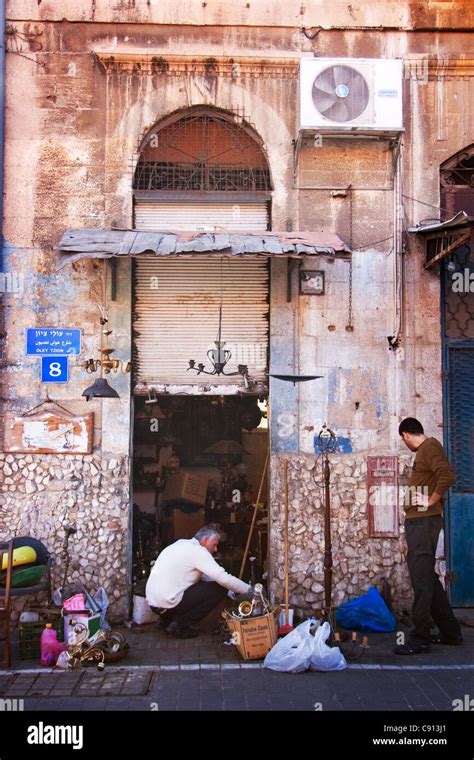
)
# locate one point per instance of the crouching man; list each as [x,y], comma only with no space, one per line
[186,583]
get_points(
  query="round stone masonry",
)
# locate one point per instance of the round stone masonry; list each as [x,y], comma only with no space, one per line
[358,560]
[38,493]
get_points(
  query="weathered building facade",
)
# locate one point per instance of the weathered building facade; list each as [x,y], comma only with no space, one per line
[88,87]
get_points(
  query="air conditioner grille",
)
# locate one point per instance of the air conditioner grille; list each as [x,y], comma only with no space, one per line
[340,93]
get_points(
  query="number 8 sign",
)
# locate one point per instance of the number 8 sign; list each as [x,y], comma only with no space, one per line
[54,369]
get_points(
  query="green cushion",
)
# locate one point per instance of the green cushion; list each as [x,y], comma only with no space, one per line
[28,577]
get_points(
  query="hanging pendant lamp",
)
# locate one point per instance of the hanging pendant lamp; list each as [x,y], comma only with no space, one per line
[100,389]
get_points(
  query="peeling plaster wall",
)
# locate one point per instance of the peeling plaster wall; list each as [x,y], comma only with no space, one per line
[73,131]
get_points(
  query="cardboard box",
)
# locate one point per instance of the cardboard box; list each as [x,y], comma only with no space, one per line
[254,636]
[145,499]
[186,486]
[181,524]
[147,451]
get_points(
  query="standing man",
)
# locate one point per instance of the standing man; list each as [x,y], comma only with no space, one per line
[431,477]
[186,583]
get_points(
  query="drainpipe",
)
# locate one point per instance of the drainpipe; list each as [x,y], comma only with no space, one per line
[2,117]
[398,388]
[2,138]
[397,254]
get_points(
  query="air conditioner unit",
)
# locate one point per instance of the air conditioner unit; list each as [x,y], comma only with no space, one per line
[340,95]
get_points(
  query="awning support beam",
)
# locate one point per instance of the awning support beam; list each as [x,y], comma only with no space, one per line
[446,243]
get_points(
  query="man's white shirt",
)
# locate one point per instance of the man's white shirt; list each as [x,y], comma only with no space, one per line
[180,566]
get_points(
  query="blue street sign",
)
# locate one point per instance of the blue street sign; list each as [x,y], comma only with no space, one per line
[52,341]
[54,369]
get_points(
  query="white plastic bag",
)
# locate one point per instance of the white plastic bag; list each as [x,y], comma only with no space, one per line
[292,653]
[324,657]
[63,661]
[141,611]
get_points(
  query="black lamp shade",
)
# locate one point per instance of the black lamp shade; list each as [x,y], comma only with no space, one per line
[100,389]
[295,378]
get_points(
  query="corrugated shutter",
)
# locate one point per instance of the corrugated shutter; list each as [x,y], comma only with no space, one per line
[201,217]
[177,311]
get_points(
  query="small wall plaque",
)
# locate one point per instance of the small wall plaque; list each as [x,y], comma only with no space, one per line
[311,282]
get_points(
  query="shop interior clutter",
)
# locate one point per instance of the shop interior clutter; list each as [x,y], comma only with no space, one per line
[200,461]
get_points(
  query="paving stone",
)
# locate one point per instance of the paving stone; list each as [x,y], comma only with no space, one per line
[407,684]
[136,684]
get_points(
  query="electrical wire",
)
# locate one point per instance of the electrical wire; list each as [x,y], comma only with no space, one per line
[417,200]
[369,245]
[384,240]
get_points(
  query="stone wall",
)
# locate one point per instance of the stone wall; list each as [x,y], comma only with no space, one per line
[41,492]
[376,14]
[358,561]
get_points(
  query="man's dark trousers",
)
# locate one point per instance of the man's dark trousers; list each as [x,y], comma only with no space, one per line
[198,600]
[430,597]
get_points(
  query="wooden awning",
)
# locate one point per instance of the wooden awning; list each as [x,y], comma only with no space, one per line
[107,243]
[443,238]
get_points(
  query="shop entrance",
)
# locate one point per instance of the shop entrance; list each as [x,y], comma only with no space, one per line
[200,437]
[200,461]
[200,328]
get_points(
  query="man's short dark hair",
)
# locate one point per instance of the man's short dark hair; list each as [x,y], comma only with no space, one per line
[410,425]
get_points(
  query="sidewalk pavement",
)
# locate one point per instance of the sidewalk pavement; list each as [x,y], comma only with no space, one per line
[162,673]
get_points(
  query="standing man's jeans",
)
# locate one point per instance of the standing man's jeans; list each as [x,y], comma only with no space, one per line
[197,602]
[430,597]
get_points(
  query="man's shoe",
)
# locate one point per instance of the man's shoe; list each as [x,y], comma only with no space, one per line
[440,639]
[412,647]
[181,631]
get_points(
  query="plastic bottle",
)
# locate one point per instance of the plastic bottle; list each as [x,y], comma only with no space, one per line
[49,644]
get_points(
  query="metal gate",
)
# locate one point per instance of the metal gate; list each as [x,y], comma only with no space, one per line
[458,345]
[201,216]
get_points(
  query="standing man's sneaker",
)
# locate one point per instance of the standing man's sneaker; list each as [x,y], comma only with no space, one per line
[440,639]
[181,631]
[412,647]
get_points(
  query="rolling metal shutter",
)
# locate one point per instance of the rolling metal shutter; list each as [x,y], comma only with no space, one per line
[177,311]
[205,217]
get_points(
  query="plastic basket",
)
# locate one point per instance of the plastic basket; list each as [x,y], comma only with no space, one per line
[30,638]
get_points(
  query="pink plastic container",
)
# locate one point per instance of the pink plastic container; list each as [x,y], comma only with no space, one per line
[49,646]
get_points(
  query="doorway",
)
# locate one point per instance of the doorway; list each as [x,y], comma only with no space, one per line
[200,437]
[458,359]
[200,461]
[457,273]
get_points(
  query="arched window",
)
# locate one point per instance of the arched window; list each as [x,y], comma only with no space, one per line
[202,150]
[457,183]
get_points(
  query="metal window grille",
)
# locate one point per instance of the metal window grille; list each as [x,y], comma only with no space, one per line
[204,152]
[461,416]
[459,171]
[459,305]
[457,183]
